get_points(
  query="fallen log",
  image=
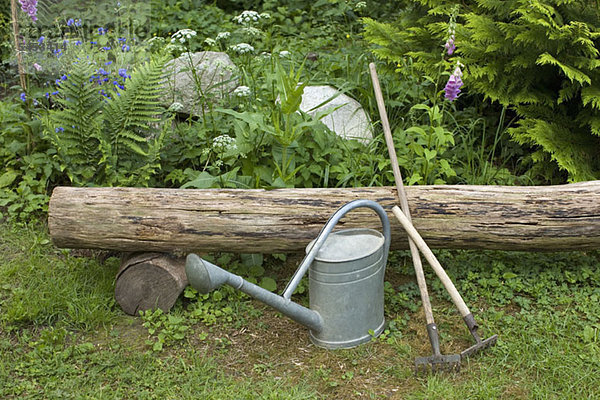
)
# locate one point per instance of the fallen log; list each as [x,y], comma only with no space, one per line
[148,281]
[533,218]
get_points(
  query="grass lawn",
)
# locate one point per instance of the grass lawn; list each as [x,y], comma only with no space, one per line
[63,336]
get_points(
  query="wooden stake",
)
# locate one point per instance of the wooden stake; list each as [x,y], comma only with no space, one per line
[15,24]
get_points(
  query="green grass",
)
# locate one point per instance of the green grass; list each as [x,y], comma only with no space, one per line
[62,335]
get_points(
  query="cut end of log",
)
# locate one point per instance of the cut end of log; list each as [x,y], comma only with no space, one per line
[149,281]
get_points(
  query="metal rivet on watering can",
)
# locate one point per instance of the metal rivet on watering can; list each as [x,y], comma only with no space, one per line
[346,271]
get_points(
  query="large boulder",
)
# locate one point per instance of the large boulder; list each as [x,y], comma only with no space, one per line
[195,78]
[349,121]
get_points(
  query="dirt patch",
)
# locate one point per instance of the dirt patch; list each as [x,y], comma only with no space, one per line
[273,345]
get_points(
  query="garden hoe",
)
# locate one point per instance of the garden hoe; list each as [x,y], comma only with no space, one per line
[437,361]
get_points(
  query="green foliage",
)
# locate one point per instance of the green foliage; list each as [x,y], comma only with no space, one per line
[164,328]
[171,15]
[554,87]
[129,18]
[5,35]
[224,306]
[75,129]
[109,141]
[264,141]
[422,148]
[28,164]
[539,58]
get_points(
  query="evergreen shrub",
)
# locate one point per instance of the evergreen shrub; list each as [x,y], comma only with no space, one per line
[540,58]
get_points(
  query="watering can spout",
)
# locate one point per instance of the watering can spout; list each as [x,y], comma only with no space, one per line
[206,277]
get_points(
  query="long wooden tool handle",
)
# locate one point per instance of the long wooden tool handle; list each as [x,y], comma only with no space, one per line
[430,257]
[417,264]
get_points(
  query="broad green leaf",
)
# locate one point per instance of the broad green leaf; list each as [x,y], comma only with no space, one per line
[252,259]
[268,284]
[7,178]
[204,180]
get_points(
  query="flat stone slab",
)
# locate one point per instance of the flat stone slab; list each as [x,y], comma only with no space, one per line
[349,121]
[195,78]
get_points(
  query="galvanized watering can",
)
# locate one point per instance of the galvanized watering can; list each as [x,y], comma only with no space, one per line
[346,270]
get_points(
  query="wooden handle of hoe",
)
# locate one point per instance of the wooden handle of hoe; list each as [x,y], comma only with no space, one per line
[414,251]
[430,257]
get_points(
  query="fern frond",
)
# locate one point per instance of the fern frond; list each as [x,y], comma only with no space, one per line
[573,74]
[574,151]
[74,129]
[131,114]
[591,95]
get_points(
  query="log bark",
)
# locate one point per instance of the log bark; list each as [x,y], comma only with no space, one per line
[535,218]
[148,281]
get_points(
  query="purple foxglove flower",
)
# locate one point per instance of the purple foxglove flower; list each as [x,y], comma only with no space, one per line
[450,46]
[453,85]
[29,7]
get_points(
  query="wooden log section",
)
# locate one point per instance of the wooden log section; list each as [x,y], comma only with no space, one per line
[147,281]
[534,218]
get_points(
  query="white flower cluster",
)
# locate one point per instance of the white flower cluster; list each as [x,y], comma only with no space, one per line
[250,17]
[222,36]
[360,6]
[176,107]
[242,48]
[210,42]
[156,39]
[242,91]
[284,54]
[174,47]
[251,31]
[156,42]
[182,35]
[223,143]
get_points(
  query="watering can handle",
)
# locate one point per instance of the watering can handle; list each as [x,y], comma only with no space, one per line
[333,220]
